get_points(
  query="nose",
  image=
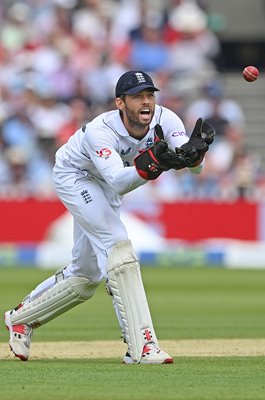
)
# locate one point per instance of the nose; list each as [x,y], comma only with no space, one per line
[146,100]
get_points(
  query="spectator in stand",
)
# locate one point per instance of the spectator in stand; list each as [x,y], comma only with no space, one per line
[232,170]
[60,59]
[79,114]
[213,181]
[18,130]
[23,176]
[48,116]
[147,50]
[17,182]
[193,46]
[175,100]
[126,20]
[100,81]
[15,26]
[64,79]
[213,106]
[243,176]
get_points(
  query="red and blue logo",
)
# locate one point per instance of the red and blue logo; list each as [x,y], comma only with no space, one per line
[104,153]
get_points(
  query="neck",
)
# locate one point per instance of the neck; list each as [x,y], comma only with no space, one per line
[137,132]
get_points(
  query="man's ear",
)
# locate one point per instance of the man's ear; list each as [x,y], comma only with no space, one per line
[119,103]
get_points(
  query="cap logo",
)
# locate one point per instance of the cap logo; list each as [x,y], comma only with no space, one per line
[140,77]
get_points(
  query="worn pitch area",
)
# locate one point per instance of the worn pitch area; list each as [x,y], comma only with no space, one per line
[112,349]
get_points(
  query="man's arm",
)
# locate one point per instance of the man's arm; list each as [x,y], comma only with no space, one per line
[101,148]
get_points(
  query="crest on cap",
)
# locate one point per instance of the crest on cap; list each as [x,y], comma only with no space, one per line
[140,77]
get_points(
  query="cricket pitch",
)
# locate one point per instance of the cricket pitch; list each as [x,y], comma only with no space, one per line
[113,349]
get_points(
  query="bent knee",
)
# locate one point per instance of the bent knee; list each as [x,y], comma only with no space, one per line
[83,287]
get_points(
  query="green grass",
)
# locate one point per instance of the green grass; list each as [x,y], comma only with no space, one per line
[185,304]
[189,378]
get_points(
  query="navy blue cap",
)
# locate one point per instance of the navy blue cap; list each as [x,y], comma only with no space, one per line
[133,82]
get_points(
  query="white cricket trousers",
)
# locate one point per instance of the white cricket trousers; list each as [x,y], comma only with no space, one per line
[97,225]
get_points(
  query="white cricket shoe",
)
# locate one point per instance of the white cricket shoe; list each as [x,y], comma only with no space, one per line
[20,338]
[151,355]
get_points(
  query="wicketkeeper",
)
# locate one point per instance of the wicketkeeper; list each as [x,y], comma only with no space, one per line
[110,156]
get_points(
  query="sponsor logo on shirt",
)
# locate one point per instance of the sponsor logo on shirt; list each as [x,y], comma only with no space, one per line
[104,153]
[179,133]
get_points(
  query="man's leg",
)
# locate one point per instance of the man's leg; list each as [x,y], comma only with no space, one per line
[118,263]
[126,286]
[64,290]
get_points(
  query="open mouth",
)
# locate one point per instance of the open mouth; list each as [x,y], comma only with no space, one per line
[145,112]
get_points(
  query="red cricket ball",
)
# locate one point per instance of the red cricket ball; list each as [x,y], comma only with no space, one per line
[250,73]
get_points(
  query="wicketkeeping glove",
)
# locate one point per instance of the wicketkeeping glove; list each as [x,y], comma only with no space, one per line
[157,159]
[194,150]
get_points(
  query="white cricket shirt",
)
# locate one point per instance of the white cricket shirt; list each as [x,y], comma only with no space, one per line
[104,149]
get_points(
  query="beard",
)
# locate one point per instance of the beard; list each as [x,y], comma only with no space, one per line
[134,121]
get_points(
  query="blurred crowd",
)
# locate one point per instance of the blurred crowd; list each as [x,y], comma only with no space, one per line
[60,60]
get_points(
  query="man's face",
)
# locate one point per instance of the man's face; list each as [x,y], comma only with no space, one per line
[137,109]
